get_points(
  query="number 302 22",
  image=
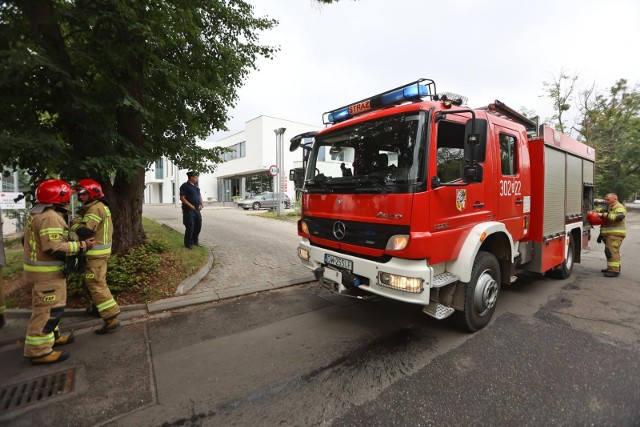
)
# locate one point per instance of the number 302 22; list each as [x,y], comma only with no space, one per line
[510,188]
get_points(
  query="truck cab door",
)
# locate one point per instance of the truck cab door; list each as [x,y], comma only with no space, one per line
[513,181]
[455,204]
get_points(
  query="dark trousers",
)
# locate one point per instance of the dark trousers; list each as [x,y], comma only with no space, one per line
[192,221]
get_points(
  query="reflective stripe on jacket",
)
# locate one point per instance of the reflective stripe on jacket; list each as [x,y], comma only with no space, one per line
[45,241]
[97,217]
[611,227]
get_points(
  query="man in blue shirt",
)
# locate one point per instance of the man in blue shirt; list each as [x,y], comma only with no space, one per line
[191,205]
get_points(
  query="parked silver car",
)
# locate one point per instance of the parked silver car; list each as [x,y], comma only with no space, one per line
[264,200]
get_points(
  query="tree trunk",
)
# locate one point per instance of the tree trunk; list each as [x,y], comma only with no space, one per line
[127,211]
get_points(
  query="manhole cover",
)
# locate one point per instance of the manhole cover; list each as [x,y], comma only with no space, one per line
[34,391]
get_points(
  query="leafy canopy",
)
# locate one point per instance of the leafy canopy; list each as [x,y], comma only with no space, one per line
[74,73]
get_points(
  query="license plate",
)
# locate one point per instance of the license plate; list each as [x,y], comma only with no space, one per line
[346,264]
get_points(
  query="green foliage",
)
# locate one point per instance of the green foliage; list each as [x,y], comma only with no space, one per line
[561,91]
[133,271]
[611,124]
[608,122]
[75,72]
[103,88]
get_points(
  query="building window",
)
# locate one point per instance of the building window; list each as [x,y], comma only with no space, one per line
[258,183]
[237,151]
[159,169]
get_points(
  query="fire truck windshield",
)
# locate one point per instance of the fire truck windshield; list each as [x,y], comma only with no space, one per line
[385,155]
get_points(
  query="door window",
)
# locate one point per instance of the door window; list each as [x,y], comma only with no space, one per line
[508,157]
[450,151]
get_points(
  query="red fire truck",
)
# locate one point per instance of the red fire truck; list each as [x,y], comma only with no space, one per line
[412,196]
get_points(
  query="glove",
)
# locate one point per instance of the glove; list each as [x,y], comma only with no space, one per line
[600,238]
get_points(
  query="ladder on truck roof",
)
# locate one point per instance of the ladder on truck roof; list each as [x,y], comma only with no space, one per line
[501,109]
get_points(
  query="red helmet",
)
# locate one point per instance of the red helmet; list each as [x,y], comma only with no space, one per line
[594,218]
[53,191]
[90,186]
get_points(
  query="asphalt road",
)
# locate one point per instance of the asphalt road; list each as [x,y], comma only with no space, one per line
[559,352]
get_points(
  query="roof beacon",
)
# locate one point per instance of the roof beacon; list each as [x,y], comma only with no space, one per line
[408,93]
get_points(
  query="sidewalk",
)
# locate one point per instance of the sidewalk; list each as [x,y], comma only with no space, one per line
[239,264]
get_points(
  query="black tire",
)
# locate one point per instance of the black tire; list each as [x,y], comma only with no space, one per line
[481,293]
[255,206]
[564,271]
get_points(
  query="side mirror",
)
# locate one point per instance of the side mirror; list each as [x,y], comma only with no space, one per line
[472,173]
[296,141]
[475,140]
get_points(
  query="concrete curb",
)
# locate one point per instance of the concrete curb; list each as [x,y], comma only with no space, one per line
[190,282]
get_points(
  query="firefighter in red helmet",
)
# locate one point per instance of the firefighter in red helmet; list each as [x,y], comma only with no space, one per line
[46,247]
[95,220]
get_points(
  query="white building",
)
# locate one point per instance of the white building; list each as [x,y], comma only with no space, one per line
[245,170]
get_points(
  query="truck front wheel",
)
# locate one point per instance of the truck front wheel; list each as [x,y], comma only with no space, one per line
[481,293]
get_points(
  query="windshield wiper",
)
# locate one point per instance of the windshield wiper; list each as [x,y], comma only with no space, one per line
[320,180]
[365,180]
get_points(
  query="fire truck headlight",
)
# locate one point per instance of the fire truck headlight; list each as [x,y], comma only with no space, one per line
[303,254]
[400,283]
[397,242]
[304,227]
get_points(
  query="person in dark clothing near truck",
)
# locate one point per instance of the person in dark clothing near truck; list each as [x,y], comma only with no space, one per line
[192,204]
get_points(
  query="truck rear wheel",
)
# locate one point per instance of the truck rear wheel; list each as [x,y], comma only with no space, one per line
[481,293]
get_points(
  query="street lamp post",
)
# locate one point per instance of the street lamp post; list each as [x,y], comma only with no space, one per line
[280,164]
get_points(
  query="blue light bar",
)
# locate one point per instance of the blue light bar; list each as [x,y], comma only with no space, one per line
[411,92]
[339,115]
[405,94]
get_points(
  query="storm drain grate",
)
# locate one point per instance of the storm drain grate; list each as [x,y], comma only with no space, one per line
[35,391]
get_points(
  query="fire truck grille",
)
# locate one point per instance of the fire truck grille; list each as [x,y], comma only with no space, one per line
[365,234]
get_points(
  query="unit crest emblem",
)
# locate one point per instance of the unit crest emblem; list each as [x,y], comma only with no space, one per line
[461,199]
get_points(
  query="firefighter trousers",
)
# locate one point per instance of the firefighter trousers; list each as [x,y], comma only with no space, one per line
[612,252]
[95,278]
[49,299]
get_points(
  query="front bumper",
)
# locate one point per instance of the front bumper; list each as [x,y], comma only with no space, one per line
[369,270]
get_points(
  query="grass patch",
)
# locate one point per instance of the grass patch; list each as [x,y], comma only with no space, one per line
[147,273]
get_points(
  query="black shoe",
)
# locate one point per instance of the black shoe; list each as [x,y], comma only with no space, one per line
[93,311]
[1,320]
[109,325]
[611,274]
[189,247]
[604,270]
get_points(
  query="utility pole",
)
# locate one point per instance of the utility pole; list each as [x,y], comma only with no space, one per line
[280,164]
[176,185]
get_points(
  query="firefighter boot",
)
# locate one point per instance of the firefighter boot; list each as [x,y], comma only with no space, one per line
[611,274]
[53,357]
[64,339]
[110,325]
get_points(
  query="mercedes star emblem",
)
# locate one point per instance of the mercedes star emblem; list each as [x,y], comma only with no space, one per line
[339,230]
